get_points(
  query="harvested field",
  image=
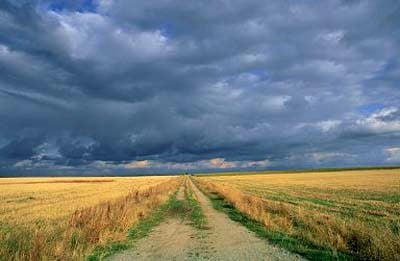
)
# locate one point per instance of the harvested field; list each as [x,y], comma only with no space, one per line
[356,213]
[64,218]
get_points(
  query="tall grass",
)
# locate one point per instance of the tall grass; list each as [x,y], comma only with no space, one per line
[361,240]
[72,238]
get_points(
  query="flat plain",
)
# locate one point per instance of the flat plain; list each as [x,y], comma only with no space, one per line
[335,215]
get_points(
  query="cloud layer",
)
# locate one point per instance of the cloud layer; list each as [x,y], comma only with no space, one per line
[139,87]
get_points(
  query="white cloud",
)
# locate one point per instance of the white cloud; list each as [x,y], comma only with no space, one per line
[394,154]
[385,120]
[138,164]
[328,125]
[23,164]
[324,126]
[220,163]
[95,37]
[215,163]
[322,156]
[330,38]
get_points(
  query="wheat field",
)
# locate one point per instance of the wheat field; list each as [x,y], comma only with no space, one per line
[352,212]
[65,218]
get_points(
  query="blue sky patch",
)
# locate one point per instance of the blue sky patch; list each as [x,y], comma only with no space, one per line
[79,6]
[369,108]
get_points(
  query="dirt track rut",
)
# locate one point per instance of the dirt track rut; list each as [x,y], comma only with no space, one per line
[223,239]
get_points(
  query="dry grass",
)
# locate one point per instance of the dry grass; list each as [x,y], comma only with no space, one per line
[64,218]
[355,212]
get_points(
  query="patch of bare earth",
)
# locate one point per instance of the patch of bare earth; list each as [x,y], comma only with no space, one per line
[223,239]
[171,240]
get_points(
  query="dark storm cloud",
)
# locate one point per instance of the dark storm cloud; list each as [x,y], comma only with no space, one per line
[133,86]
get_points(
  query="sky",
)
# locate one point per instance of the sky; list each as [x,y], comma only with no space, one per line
[103,87]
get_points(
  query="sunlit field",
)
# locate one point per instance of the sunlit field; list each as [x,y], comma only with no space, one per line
[37,199]
[352,212]
[65,218]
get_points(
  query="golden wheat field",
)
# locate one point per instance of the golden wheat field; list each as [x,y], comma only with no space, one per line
[65,218]
[37,199]
[352,212]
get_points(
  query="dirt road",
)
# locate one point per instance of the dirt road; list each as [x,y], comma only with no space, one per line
[223,239]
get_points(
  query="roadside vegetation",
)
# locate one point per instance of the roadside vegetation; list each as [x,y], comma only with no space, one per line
[172,207]
[349,215]
[67,219]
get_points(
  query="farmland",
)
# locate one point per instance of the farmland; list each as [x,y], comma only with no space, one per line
[346,213]
[65,218]
[335,215]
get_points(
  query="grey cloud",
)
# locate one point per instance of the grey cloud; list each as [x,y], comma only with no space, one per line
[92,88]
